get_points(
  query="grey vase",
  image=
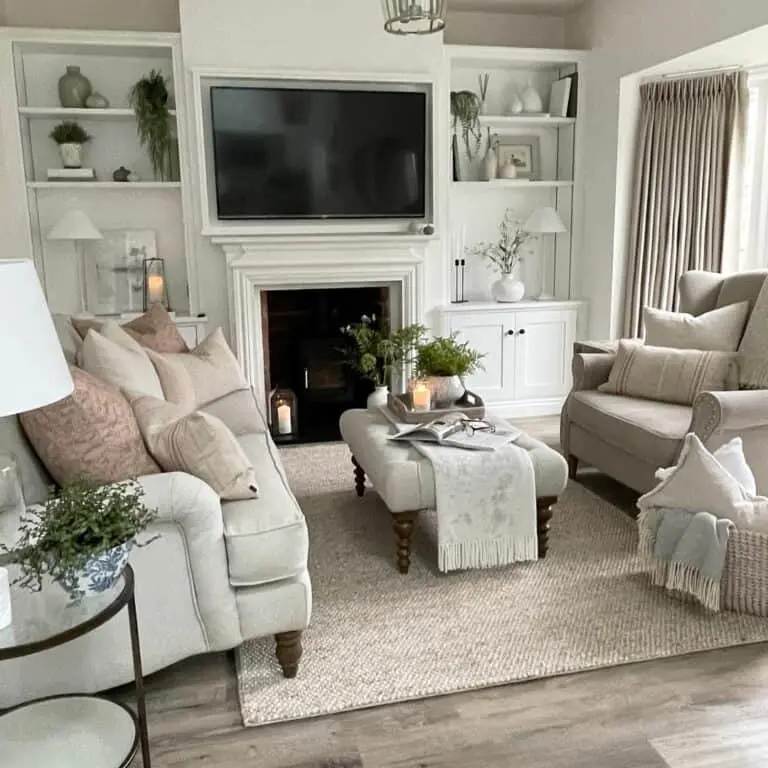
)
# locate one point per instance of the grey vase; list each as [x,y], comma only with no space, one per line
[74,88]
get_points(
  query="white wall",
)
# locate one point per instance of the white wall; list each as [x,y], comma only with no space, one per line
[627,36]
[524,31]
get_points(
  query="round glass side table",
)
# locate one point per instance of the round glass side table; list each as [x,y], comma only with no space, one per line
[74,730]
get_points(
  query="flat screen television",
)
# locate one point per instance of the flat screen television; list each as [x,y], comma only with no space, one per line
[319,152]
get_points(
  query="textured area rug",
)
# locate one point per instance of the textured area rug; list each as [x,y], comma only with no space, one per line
[377,637]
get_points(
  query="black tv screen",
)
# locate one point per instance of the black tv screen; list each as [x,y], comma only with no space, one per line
[317,153]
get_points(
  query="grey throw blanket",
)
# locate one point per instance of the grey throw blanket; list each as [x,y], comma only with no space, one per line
[685,551]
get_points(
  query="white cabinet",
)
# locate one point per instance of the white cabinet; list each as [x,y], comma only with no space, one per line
[527,348]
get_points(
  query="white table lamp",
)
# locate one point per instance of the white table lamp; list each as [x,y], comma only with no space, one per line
[545,221]
[34,372]
[75,225]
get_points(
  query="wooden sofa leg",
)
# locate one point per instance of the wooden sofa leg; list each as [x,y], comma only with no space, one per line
[543,518]
[288,650]
[359,477]
[573,466]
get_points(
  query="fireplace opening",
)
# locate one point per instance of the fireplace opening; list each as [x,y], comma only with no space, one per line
[302,341]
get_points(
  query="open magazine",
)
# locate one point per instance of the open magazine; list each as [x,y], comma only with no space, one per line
[459,431]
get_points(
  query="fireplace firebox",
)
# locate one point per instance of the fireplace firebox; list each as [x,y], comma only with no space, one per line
[303,339]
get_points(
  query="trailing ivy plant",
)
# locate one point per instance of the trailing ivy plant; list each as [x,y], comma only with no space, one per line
[465,109]
[149,100]
[78,522]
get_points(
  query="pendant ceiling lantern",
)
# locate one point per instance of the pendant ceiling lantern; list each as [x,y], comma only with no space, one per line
[412,17]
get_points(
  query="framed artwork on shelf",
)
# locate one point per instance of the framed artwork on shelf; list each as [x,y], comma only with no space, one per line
[523,152]
[559,97]
[115,270]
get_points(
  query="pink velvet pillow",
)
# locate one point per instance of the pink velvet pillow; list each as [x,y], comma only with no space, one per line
[92,433]
[156,330]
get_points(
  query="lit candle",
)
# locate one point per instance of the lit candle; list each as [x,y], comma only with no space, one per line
[284,419]
[422,397]
[155,289]
[5,599]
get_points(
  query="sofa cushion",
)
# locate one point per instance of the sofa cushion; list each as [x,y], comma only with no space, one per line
[266,538]
[647,429]
[156,330]
[239,411]
[719,329]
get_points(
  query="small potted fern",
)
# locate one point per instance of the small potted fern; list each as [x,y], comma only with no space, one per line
[442,364]
[81,537]
[71,137]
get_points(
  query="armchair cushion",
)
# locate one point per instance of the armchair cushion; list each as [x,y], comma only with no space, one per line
[643,428]
[267,537]
[720,329]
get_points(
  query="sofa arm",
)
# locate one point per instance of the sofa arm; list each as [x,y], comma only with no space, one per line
[194,509]
[591,370]
[730,412]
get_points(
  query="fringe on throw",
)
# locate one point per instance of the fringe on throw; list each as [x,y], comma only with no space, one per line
[646,537]
[488,553]
[684,578]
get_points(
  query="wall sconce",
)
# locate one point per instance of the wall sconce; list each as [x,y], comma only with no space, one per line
[284,415]
[155,288]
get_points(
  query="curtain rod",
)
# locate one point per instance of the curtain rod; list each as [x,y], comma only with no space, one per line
[708,71]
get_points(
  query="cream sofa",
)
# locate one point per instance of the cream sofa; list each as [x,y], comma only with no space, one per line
[219,574]
[630,438]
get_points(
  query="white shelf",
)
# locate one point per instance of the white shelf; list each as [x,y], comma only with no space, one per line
[83,114]
[487,186]
[121,185]
[495,306]
[507,122]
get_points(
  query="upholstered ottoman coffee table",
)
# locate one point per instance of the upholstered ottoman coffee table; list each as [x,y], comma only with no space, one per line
[404,478]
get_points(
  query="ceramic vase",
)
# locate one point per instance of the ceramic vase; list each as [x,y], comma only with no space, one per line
[377,398]
[444,390]
[97,101]
[71,155]
[515,104]
[74,88]
[508,171]
[490,164]
[100,573]
[507,289]
[531,100]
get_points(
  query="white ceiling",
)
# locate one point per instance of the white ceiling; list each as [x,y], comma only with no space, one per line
[539,7]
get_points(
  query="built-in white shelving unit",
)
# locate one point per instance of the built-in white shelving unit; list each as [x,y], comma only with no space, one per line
[70,113]
[519,184]
[134,186]
[517,122]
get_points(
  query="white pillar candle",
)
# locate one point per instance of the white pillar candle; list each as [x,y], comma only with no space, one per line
[5,599]
[155,289]
[422,398]
[284,419]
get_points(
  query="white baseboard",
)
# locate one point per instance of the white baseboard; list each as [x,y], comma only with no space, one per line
[527,408]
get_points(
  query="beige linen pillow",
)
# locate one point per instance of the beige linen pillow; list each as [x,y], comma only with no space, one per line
[206,373]
[666,374]
[113,356]
[197,443]
[156,330]
[718,330]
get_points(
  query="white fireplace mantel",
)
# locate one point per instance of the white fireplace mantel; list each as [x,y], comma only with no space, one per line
[255,264]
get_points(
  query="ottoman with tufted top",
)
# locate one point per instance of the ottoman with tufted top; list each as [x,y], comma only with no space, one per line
[404,479]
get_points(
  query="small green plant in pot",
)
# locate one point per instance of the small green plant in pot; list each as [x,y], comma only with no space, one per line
[81,537]
[149,100]
[442,364]
[71,137]
[377,352]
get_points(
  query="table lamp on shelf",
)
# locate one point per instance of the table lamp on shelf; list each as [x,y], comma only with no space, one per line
[35,373]
[75,225]
[545,221]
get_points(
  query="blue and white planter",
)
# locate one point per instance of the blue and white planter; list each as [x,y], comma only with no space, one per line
[100,573]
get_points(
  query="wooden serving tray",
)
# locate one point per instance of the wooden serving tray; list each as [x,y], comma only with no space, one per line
[402,408]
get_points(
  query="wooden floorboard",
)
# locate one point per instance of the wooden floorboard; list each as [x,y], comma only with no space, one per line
[697,711]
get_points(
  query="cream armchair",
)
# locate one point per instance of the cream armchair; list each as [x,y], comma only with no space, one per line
[630,438]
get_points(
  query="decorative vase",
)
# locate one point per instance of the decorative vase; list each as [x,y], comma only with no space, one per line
[515,104]
[121,174]
[100,573]
[507,289]
[508,171]
[531,100]
[71,155]
[377,398]
[97,101]
[444,390]
[74,88]
[491,164]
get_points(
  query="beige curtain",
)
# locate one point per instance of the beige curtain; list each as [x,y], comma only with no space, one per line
[689,131]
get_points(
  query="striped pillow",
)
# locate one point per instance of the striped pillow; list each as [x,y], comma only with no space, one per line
[667,374]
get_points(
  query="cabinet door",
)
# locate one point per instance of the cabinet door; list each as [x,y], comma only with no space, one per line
[543,345]
[488,334]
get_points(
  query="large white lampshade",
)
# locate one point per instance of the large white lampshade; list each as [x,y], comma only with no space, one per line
[74,225]
[545,221]
[35,372]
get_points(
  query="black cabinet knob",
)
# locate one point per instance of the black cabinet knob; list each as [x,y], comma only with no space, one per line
[510,333]
[521,331]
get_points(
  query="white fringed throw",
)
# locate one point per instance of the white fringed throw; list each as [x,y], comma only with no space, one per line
[486,506]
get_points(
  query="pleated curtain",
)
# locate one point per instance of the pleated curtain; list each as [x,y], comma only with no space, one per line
[691,131]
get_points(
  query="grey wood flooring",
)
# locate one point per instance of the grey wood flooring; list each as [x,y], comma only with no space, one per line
[697,711]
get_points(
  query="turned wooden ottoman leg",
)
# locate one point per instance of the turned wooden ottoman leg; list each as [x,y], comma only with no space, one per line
[288,651]
[543,517]
[573,466]
[359,477]
[402,523]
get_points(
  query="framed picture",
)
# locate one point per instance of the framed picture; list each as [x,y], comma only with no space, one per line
[523,151]
[559,97]
[115,270]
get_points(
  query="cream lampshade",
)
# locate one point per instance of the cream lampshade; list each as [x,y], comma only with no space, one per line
[35,372]
[545,221]
[75,225]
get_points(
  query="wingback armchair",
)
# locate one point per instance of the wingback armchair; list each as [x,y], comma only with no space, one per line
[630,438]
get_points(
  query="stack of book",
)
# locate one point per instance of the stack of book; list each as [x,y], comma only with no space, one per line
[71,174]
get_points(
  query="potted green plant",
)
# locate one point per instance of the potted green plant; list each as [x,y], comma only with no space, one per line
[465,110]
[149,100]
[377,352]
[442,364]
[81,537]
[70,137]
